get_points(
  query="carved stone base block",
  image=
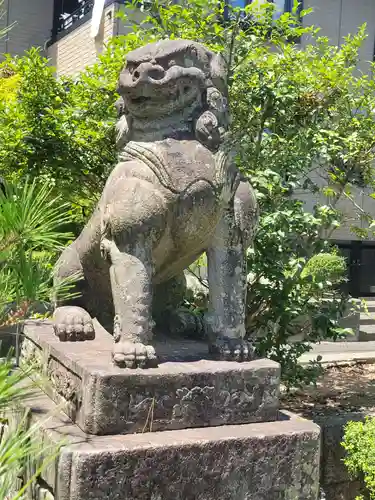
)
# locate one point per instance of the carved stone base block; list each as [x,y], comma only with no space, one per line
[186,390]
[260,461]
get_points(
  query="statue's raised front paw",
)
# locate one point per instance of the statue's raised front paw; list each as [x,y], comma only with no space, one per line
[73,323]
[232,349]
[127,354]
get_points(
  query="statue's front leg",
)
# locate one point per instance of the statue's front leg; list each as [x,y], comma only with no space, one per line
[227,274]
[131,274]
[133,221]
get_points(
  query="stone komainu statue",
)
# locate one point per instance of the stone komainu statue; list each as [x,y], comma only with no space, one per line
[174,194]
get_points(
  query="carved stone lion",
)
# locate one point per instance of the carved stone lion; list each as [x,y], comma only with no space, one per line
[174,194]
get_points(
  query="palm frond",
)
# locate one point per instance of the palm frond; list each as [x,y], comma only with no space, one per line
[20,443]
[31,216]
[6,29]
[32,221]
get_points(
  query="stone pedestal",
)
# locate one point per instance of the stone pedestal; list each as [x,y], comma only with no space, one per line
[186,390]
[191,429]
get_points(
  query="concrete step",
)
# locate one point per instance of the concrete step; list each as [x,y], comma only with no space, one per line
[368,328]
[366,337]
[370,305]
[367,322]
[366,332]
[367,319]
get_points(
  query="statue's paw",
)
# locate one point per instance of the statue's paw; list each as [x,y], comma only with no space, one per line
[73,323]
[127,354]
[232,349]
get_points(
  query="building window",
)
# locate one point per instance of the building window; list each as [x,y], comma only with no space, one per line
[68,12]
[248,21]
[281,6]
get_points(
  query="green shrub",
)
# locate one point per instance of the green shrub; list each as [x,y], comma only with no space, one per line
[359,444]
[325,266]
[60,130]
[9,83]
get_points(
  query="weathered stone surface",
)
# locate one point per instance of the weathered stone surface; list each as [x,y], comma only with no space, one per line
[261,461]
[342,491]
[175,193]
[336,482]
[186,390]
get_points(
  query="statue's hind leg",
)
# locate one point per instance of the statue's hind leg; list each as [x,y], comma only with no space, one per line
[170,314]
[227,278]
[167,298]
[70,319]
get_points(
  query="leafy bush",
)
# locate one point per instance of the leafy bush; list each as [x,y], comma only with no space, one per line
[325,266]
[20,234]
[19,441]
[60,130]
[9,82]
[359,443]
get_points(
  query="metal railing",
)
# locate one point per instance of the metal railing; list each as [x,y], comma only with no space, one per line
[67,21]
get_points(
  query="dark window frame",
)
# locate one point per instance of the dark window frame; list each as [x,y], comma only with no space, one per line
[288,5]
[62,27]
[247,22]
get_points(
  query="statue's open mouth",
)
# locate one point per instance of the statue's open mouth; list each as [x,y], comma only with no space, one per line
[140,100]
[158,96]
[149,99]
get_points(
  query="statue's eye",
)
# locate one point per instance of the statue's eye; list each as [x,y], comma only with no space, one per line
[171,63]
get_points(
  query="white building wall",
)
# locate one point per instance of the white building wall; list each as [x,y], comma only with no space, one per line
[337,19]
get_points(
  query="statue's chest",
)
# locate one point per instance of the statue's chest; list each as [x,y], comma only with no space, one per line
[195,183]
[179,166]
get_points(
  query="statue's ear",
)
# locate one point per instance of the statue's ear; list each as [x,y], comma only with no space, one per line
[122,131]
[218,71]
[123,123]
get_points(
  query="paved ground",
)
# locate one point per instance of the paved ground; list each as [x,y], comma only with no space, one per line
[332,352]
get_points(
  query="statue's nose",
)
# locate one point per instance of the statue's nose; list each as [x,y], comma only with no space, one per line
[148,71]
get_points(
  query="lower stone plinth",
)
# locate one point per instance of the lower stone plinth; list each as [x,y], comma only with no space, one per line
[336,481]
[260,461]
[186,390]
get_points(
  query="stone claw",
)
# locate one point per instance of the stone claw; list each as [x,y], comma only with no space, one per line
[232,349]
[127,354]
[72,323]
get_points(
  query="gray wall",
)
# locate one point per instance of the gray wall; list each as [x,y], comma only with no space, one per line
[338,18]
[33,24]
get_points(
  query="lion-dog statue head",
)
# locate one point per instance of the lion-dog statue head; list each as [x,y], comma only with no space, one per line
[173,88]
